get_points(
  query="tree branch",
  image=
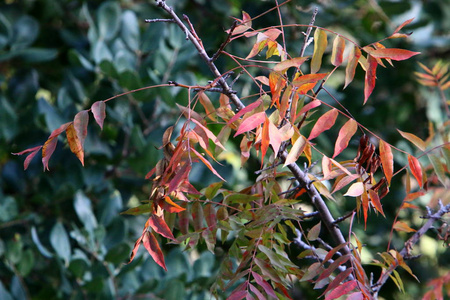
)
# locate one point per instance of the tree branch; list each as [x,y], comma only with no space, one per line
[405,252]
[300,175]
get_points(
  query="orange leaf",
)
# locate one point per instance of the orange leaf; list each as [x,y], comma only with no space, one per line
[416,169]
[365,207]
[325,122]
[369,83]
[345,134]
[159,225]
[98,110]
[402,226]
[375,199]
[246,24]
[74,143]
[387,160]
[355,190]
[308,78]
[152,246]
[209,134]
[418,142]
[265,139]
[276,84]
[320,44]
[50,144]
[392,53]
[296,150]
[251,123]
[326,167]
[295,62]
[353,59]
[337,53]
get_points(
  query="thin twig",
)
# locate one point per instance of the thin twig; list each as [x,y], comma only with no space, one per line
[159,20]
[306,41]
[224,44]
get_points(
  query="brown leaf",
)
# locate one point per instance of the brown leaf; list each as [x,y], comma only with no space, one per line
[371,70]
[98,109]
[50,144]
[74,143]
[353,59]
[387,160]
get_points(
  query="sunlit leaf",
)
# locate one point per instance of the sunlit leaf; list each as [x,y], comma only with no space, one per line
[355,54]
[265,139]
[207,105]
[152,246]
[418,142]
[438,167]
[402,25]
[251,123]
[296,150]
[275,137]
[355,190]
[245,110]
[313,104]
[276,83]
[325,122]
[337,53]
[375,199]
[320,44]
[345,134]
[308,78]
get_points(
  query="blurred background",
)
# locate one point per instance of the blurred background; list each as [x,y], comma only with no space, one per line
[61,232]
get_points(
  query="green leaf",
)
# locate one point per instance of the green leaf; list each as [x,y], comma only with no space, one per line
[438,168]
[108,16]
[26,30]
[60,242]
[130,30]
[38,243]
[83,208]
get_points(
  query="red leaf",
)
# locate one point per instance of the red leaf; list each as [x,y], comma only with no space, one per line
[256,292]
[251,123]
[337,53]
[402,25]
[387,160]
[333,266]
[75,143]
[342,290]
[152,246]
[210,215]
[180,175]
[247,109]
[371,70]
[416,169]
[209,134]
[345,134]
[183,219]
[30,156]
[50,144]
[337,280]
[264,284]
[207,163]
[80,123]
[325,122]
[313,104]
[98,110]
[393,53]
[136,248]
[171,206]
[159,225]
[353,59]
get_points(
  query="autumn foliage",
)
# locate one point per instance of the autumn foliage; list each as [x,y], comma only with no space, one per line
[281,127]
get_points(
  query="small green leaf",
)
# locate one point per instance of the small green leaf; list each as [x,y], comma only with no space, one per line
[60,242]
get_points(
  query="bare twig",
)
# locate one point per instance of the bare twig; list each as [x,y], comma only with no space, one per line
[159,20]
[224,44]
[306,42]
